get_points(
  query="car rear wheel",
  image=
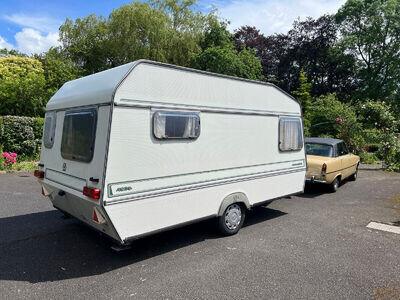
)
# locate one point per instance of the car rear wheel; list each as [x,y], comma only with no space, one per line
[333,187]
[232,219]
[355,175]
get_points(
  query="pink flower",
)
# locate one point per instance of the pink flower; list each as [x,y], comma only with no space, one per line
[13,160]
[5,154]
[13,154]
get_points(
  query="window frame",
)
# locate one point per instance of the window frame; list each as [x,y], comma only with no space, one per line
[344,147]
[92,146]
[332,152]
[176,113]
[52,130]
[301,131]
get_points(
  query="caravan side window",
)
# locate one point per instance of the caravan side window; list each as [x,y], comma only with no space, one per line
[290,134]
[49,129]
[176,125]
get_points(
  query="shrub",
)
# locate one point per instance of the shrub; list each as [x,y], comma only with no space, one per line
[21,135]
[1,128]
[368,158]
[9,159]
[380,126]
[372,138]
[377,115]
[350,133]
[323,112]
[1,160]
[388,151]
[37,126]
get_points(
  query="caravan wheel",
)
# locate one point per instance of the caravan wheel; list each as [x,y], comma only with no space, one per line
[232,219]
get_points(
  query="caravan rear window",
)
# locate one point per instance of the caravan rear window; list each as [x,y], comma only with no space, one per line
[78,137]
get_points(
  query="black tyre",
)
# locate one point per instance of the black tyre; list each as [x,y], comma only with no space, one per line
[354,176]
[232,219]
[333,187]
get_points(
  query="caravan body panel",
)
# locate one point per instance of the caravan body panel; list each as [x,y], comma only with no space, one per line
[151,182]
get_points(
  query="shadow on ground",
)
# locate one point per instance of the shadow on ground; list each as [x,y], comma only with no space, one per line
[42,247]
[312,190]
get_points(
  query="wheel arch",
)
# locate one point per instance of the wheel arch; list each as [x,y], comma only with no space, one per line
[238,197]
[338,176]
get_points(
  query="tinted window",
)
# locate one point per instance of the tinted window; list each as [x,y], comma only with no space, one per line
[319,150]
[176,125]
[290,134]
[78,135]
[342,149]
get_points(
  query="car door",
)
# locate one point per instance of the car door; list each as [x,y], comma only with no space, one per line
[345,160]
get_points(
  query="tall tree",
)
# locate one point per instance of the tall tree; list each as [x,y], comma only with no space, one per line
[83,40]
[12,52]
[57,70]
[270,49]
[137,31]
[313,48]
[161,30]
[220,56]
[302,93]
[309,45]
[21,86]
[371,33]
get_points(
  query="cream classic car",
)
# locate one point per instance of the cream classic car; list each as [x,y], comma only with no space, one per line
[329,162]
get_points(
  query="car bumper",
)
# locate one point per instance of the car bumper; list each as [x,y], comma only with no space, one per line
[312,179]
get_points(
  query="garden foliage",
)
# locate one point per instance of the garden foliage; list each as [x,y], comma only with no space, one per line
[343,68]
[21,135]
[21,86]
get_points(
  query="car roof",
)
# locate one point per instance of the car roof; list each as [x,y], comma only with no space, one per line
[326,141]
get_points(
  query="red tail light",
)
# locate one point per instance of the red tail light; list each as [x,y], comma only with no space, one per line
[39,174]
[43,192]
[91,192]
[323,171]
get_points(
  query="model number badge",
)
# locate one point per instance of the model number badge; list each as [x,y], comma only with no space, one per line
[64,167]
[124,189]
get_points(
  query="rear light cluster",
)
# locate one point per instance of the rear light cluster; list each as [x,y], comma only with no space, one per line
[323,171]
[91,192]
[39,174]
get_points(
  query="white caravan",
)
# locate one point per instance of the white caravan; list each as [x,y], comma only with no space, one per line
[147,146]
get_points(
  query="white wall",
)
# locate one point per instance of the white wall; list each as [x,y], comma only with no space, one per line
[229,145]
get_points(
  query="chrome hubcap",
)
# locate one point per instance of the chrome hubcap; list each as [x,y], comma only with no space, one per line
[233,216]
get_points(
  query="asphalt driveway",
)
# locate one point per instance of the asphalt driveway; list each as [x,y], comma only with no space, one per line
[312,246]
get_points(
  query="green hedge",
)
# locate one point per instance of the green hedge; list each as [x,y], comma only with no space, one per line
[22,135]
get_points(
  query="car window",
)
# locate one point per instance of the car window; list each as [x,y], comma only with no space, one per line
[319,149]
[342,149]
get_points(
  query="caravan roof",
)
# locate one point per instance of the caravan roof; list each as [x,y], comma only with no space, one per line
[143,75]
